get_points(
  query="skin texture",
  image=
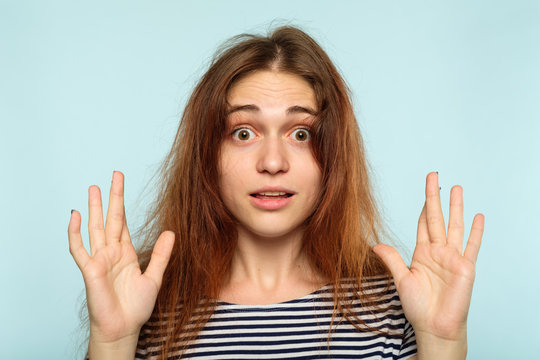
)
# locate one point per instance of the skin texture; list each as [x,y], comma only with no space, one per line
[120,297]
[271,155]
[268,146]
[436,289]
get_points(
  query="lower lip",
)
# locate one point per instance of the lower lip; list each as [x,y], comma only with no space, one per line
[270,204]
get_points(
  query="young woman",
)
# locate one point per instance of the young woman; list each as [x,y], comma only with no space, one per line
[264,241]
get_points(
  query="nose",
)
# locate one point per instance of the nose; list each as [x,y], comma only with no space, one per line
[273,156]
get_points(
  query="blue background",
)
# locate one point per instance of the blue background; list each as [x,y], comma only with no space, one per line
[90,87]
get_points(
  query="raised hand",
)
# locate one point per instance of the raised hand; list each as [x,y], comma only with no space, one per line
[120,298]
[436,290]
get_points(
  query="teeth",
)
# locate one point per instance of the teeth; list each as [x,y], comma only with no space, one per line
[273,193]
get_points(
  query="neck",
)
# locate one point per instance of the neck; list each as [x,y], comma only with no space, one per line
[268,270]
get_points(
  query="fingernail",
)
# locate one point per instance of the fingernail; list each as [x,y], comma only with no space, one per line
[72,210]
[439,188]
[437,172]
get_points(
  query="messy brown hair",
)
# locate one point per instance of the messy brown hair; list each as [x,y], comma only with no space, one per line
[340,232]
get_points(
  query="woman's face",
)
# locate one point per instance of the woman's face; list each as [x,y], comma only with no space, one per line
[269,179]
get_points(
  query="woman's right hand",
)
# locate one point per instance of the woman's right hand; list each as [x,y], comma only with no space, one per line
[120,297]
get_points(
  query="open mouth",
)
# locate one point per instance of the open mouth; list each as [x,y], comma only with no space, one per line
[271,195]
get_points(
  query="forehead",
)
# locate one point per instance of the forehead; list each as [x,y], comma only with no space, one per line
[272,89]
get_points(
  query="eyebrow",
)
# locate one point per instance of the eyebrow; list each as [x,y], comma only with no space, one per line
[296,109]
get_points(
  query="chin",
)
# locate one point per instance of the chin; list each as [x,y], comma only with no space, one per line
[272,232]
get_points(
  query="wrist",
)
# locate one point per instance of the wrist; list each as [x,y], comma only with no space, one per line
[119,349]
[430,346]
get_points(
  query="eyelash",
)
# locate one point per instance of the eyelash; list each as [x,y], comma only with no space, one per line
[235,132]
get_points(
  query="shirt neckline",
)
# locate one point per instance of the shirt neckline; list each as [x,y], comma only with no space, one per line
[305,298]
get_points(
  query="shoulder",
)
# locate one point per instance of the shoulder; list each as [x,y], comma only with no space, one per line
[371,287]
[376,295]
[376,304]
[389,315]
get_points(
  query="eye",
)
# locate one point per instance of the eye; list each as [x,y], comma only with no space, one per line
[243,134]
[301,134]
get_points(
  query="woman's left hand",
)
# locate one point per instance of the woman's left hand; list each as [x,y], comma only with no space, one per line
[435,291]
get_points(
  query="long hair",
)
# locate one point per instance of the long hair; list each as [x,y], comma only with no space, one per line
[338,235]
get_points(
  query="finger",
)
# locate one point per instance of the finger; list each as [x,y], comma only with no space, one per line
[115,212]
[393,261]
[475,238]
[435,220]
[95,220]
[160,257]
[125,231]
[455,222]
[76,247]
[422,234]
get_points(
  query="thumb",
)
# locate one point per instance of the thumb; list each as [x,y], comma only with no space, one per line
[393,261]
[160,257]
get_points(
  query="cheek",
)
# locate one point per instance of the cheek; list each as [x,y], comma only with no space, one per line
[312,175]
[232,175]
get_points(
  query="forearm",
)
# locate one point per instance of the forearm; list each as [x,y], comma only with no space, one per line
[123,349]
[430,347]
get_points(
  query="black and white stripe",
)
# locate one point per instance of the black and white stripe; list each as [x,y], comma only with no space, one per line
[298,329]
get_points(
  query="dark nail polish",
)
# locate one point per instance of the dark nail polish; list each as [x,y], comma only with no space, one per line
[72,210]
[437,172]
[439,188]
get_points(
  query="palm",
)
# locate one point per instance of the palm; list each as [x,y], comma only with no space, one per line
[436,290]
[439,282]
[120,297]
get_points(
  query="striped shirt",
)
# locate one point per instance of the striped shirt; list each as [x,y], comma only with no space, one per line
[297,329]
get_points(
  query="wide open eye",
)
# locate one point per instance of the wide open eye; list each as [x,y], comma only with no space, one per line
[243,134]
[301,134]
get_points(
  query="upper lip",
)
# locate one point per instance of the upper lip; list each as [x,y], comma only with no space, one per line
[273,189]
